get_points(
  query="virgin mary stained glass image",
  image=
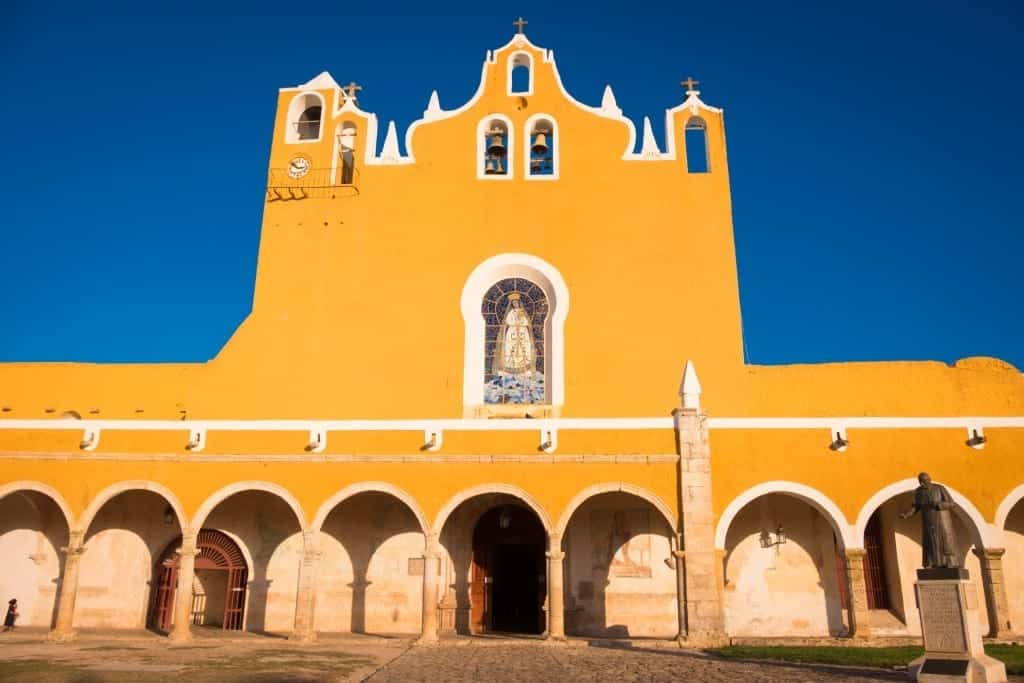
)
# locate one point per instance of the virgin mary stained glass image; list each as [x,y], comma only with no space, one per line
[514,312]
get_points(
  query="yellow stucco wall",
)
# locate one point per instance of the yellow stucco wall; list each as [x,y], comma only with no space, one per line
[357,315]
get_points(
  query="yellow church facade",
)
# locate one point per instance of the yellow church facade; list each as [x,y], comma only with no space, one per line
[496,384]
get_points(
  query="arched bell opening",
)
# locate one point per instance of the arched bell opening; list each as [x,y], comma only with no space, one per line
[496,575]
[218,589]
[494,148]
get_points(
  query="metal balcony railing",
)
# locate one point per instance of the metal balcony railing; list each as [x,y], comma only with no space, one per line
[316,183]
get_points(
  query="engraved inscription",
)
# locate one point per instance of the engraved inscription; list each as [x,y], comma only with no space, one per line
[942,618]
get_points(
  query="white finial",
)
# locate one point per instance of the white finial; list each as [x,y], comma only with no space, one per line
[433,106]
[608,103]
[390,150]
[689,389]
[650,147]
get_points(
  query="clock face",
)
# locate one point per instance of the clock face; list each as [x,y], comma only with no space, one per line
[298,167]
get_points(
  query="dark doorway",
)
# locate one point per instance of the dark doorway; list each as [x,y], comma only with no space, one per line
[508,587]
[874,565]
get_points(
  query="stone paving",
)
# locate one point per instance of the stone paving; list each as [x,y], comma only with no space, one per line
[536,661]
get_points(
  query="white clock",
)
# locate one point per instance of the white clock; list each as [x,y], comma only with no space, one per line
[298,167]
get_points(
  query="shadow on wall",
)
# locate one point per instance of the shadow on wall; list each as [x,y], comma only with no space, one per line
[266,530]
[32,531]
[787,589]
[620,574]
[379,535]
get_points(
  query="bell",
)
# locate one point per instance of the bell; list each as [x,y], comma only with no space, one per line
[490,168]
[540,144]
[497,147]
[499,167]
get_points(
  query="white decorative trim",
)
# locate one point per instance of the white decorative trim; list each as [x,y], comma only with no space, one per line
[545,276]
[433,110]
[44,489]
[510,64]
[481,148]
[291,135]
[369,487]
[107,494]
[389,154]
[609,107]
[557,144]
[1007,505]
[689,387]
[965,509]
[615,487]
[322,81]
[219,496]
[649,150]
[812,496]
[483,489]
[694,106]
[441,114]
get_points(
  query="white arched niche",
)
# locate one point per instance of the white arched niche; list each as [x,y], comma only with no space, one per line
[483,277]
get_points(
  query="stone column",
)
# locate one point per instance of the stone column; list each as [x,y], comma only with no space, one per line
[305,599]
[705,617]
[431,560]
[857,593]
[181,631]
[556,594]
[991,560]
[680,557]
[63,630]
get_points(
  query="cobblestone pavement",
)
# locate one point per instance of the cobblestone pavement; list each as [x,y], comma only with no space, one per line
[498,663]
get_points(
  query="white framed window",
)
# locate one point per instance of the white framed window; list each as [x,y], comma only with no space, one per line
[345,157]
[695,139]
[540,147]
[495,142]
[519,361]
[520,74]
[305,118]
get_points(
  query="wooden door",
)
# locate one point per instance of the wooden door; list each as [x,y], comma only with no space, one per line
[479,590]
[163,608]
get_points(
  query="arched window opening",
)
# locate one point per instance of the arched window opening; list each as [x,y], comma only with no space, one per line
[347,152]
[495,157]
[696,141]
[542,148]
[520,75]
[515,311]
[305,114]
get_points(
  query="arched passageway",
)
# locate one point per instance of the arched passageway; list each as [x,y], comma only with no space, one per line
[784,569]
[494,566]
[619,569]
[370,574]
[218,588]
[892,557]
[265,526]
[1013,565]
[125,536]
[33,529]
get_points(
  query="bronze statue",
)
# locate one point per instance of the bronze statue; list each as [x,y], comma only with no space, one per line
[938,544]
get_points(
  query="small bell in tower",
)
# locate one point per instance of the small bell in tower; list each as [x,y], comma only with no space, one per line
[490,168]
[497,145]
[540,144]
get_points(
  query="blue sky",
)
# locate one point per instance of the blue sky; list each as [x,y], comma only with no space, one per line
[875,157]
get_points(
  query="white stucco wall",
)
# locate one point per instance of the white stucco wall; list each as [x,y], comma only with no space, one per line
[788,591]
[32,530]
[604,601]
[124,541]
[364,583]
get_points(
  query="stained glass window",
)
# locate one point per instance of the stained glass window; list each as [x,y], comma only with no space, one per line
[515,311]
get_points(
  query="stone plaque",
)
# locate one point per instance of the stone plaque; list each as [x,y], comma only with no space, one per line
[941,617]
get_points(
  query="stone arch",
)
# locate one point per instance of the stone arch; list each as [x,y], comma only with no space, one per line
[134,485]
[490,271]
[1006,506]
[219,496]
[614,487]
[369,487]
[508,489]
[809,495]
[966,509]
[46,490]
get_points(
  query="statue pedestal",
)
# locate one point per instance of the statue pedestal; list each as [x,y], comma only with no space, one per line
[951,625]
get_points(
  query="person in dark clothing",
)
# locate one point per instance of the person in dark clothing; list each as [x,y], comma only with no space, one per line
[12,614]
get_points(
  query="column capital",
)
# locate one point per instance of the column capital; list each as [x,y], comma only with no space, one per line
[431,545]
[989,553]
[679,554]
[853,554]
[557,555]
